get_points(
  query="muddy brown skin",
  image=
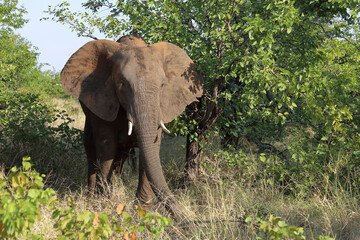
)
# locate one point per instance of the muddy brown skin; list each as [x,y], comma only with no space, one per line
[128,80]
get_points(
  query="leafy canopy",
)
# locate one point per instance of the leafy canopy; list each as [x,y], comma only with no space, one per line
[263,61]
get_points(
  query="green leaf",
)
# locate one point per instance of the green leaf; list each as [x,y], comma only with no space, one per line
[127,217]
[56,213]
[325,138]
[282,224]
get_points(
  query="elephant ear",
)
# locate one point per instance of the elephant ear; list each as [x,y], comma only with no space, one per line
[184,84]
[87,76]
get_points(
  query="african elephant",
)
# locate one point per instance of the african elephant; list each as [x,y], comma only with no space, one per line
[128,90]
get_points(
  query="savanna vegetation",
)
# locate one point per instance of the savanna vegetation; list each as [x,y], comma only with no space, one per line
[271,151]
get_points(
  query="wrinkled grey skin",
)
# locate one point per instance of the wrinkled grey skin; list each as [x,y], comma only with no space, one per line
[130,81]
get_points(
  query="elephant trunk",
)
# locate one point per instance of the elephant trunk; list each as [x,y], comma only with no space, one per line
[147,122]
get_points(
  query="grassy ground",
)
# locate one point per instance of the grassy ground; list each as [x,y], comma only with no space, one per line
[215,207]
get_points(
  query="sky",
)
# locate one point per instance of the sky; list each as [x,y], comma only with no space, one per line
[55,42]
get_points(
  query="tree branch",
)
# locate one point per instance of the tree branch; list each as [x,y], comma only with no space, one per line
[228,24]
[268,146]
[90,36]
[327,34]
[352,43]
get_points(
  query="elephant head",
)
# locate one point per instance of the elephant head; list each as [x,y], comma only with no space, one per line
[153,83]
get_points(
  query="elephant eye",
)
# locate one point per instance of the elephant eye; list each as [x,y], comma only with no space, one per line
[163,84]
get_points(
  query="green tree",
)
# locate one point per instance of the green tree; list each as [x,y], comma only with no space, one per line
[265,63]
[26,120]
[12,46]
[11,15]
[18,57]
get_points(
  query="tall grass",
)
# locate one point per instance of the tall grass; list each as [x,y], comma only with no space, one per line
[231,188]
[216,209]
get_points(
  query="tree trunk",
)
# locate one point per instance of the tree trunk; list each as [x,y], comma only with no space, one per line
[193,160]
[206,119]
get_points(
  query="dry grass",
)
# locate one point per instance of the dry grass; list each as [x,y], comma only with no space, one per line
[214,208]
[217,211]
[74,110]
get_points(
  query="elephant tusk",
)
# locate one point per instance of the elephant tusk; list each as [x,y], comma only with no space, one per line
[130,126]
[163,127]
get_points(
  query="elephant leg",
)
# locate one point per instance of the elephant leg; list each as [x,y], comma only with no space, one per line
[91,156]
[118,165]
[144,192]
[105,138]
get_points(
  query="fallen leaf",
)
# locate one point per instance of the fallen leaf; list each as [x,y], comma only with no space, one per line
[120,208]
[130,236]
[133,236]
[96,219]
[141,211]
[126,235]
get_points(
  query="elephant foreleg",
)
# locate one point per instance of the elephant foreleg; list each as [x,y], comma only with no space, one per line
[104,145]
[91,156]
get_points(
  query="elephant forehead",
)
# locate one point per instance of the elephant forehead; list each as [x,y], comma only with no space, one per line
[148,59]
[141,61]
[138,54]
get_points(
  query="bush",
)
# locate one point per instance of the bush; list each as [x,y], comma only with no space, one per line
[27,127]
[307,166]
[275,228]
[87,224]
[22,194]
